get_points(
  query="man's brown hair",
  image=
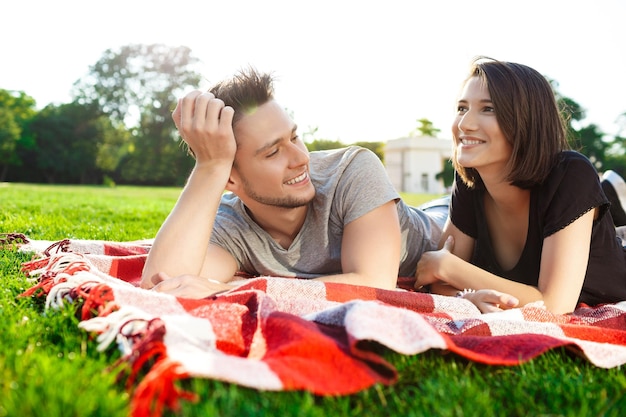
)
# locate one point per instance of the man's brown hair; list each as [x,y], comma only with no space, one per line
[245,91]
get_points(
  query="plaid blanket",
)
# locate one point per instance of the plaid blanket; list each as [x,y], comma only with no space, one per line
[273,333]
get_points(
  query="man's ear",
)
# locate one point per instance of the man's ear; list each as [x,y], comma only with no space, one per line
[233,181]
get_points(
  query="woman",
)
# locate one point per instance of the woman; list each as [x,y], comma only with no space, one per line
[528,218]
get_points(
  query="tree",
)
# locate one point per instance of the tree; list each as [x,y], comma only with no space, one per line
[163,158]
[323,144]
[16,111]
[377,147]
[588,140]
[137,86]
[70,138]
[447,175]
[426,128]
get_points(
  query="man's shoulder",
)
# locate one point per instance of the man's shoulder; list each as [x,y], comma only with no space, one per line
[231,214]
[230,203]
[340,156]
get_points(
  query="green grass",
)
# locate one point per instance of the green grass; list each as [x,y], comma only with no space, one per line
[48,367]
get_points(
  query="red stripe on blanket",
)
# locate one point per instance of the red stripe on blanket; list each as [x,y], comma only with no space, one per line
[128,268]
[292,342]
[121,249]
[503,350]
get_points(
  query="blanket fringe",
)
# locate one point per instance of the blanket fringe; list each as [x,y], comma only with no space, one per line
[99,300]
[8,240]
[52,270]
[158,389]
[66,277]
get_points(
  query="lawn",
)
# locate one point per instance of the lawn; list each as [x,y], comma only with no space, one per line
[48,367]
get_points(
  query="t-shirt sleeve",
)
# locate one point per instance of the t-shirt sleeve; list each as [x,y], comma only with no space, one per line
[229,233]
[363,187]
[572,190]
[462,209]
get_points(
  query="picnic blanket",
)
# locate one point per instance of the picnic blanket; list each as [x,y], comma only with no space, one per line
[273,333]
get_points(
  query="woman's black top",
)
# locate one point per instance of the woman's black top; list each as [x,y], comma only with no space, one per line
[571,190]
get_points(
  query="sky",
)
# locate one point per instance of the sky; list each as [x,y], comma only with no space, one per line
[355,70]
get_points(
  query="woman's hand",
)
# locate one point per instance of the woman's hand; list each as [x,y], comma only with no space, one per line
[430,266]
[188,286]
[489,301]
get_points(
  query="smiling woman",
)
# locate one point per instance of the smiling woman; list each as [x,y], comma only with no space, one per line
[524,207]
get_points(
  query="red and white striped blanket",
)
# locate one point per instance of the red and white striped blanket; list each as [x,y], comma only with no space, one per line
[274,333]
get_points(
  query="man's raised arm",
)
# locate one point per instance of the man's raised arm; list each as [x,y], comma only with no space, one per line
[180,246]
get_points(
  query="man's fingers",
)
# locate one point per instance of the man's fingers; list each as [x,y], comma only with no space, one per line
[200,111]
[177,113]
[159,277]
[184,111]
[226,116]
[214,106]
[164,283]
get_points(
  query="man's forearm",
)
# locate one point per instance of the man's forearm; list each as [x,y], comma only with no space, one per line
[386,283]
[181,243]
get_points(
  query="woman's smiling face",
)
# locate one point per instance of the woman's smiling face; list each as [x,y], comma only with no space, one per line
[477,135]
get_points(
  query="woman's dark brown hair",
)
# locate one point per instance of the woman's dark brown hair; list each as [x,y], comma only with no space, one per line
[529,117]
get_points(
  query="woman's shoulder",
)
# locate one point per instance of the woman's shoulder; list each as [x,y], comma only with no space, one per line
[572,165]
[573,157]
[573,174]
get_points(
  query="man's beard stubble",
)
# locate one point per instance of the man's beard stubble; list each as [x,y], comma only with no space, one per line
[287,202]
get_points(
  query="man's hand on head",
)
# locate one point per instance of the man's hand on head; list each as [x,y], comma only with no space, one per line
[206,124]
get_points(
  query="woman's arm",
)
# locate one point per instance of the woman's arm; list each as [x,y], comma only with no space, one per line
[563,266]
[564,262]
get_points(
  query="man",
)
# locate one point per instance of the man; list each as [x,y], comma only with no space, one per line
[332,215]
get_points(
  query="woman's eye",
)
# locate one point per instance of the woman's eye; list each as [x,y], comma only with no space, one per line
[295,138]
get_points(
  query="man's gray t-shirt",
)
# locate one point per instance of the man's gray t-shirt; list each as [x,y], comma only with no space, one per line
[349,183]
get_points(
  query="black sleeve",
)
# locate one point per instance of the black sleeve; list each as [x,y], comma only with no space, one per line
[572,189]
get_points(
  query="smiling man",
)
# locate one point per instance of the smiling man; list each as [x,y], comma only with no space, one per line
[326,215]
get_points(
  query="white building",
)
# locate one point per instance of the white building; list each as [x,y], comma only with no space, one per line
[413,162]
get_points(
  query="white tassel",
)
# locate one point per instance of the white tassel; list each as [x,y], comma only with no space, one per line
[61,290]
[133,320]
[58,262]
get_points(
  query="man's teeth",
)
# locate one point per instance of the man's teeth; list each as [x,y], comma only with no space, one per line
[297,179]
